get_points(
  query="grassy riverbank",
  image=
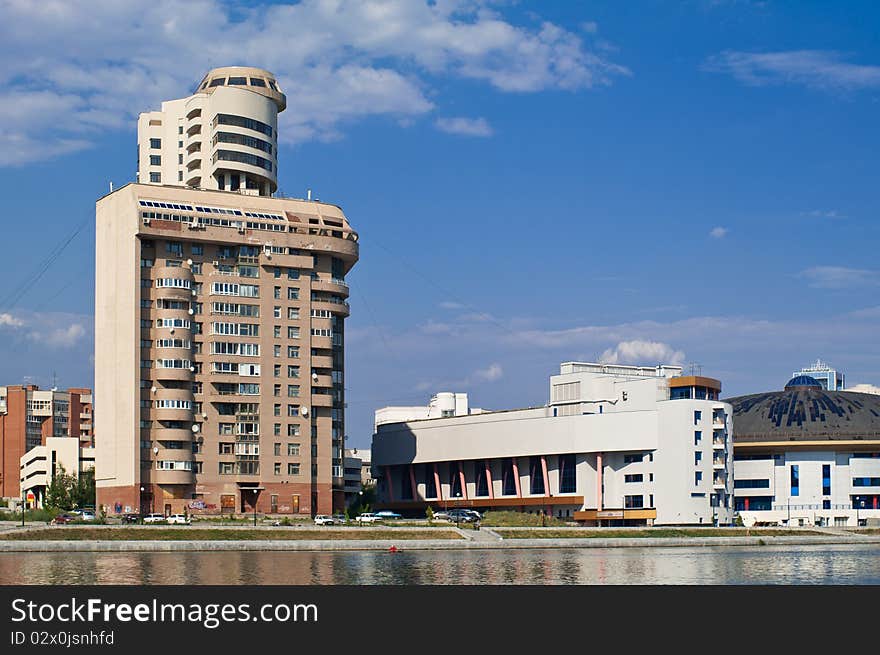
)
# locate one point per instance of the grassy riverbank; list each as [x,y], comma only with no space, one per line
[655,533]
[67,533]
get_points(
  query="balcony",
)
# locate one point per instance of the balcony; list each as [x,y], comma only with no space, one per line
[322,400]
[333,286]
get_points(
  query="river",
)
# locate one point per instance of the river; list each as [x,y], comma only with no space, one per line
[802,565]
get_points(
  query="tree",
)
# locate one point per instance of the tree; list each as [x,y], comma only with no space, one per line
[59,492]
[66,491]
[429,513]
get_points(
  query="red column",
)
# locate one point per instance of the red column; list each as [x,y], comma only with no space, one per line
[746,503]
[412,481]
[489,479]
[390,484]
[437,482]
[599,481]
[546,477]
[875,502]
[516,477]
[461,481]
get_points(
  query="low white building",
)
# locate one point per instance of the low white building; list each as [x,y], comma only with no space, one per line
[41,464]
[441,405]
[807,456]
[615,445]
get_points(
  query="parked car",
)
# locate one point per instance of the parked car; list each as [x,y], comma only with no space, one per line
[463,515]
[387,514]
[66,517]
[87,515]
[154,518]
[441,516]
[368,517]
[323,519]
[131,518]
[178,519]
[339,519]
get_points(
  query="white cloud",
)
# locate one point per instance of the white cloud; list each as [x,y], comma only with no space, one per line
[464,126]
[718,232]
[642,352]
[61,337]
[817,69]
[10,321]
[840,277]
[448,304]
[74,69]
[823,213]
[491,374]
[867,312]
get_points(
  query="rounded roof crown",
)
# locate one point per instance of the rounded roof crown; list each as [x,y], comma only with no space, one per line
[248,78]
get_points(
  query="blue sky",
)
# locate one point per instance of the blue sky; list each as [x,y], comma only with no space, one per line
[533,182]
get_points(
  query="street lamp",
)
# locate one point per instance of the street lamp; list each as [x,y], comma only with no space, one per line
[862,505]
[22,507]
[141,505]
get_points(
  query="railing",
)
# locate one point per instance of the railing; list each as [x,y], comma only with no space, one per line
[784,508]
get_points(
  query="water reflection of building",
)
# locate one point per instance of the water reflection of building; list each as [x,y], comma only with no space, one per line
[615,444]
[807,455]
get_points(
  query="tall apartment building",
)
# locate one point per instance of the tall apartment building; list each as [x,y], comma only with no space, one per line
[829,378]
[620,445]
[219,338]
[29,416]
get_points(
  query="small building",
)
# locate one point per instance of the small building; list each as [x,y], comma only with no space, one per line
[41,464]
[807,455]
[616,445]
[829,378]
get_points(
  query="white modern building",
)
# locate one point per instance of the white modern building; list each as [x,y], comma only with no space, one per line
[807,456]
[829,378]
[615,445]
[41,464]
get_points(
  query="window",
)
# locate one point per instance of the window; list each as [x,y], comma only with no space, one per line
[292,332]
[633,502]
[293,410]
[198,250]
[292,313]
[277,468]
[155,177]
[293,469]
[276,350]
[242,157]
[293,450]
[698,477]
[155,160]
[241,121]
[536,475]
[276,410]
[276,311]
[292,293]
[826,479]
[567,474]
[277,450]
[293,391]
[276,370]
[293,352]
[292,371]
[237,80]
[276,332]
[795,480]
[698,457]
[744,483]
[155,143]
[631,459]
[225,448]
[864,482]
[217,81]
[698,437]
[698,415]
[633,477]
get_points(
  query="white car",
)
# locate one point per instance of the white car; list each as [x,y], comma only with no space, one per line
[154,518]
[87,515]
[177,519]
[368,517]
[323,519]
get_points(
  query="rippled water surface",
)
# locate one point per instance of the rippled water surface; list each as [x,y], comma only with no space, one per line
[835,564]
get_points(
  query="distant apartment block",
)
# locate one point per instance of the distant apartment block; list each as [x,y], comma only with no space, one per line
[219,327]
[29,416]
[616,445]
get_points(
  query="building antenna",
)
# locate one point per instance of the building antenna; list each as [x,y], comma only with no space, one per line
[111,186]
[54,381]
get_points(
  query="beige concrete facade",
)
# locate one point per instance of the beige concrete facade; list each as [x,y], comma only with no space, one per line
[219,351]
[224,136]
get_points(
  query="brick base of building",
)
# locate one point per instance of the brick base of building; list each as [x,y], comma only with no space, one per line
[212,500]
